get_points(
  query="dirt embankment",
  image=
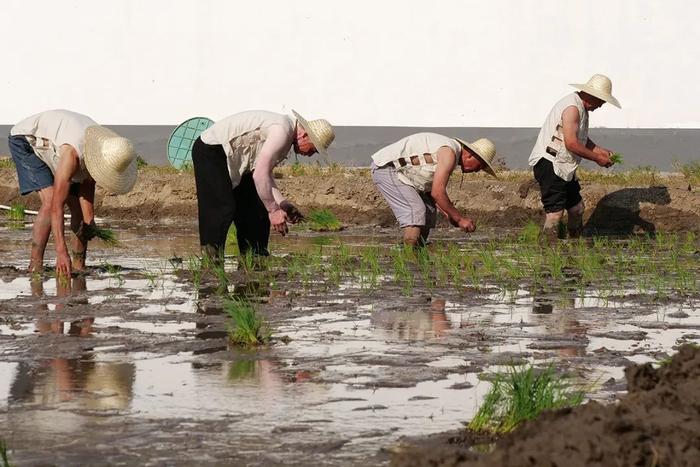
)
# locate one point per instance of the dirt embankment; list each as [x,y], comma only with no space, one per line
[657,423]
[162,195]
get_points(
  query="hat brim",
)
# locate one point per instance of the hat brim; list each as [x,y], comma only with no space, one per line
[609,98]
[312,136]
[109,179]
[485,165]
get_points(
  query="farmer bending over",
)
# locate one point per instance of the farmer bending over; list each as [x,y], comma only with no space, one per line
[412,175]
[562,142]
[62,155]
[233,162]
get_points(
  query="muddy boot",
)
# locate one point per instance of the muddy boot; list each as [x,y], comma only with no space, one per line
[526,186]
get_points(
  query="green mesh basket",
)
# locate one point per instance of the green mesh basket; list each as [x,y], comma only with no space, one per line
[181,140]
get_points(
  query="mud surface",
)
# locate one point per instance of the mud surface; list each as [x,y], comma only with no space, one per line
[657,423]
[131,364]
[162,196]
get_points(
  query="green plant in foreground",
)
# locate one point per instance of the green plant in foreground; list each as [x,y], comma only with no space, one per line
[323,220]
[520,394]
[16,212]
[616,158]
[248,327]
[3,454]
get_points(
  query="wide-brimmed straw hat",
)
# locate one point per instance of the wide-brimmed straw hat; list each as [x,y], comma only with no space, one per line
[320,132]
[599,86]
[485,151]
[110,159]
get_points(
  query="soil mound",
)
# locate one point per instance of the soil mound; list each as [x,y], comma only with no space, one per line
[657,423]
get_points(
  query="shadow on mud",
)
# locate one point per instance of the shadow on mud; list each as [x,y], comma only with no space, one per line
[619,212]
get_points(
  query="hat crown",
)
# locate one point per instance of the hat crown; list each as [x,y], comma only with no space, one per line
[485,148]
[323,131]
[600,83]
[118,152]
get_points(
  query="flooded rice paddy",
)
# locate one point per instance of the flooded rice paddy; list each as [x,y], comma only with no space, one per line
[131,363]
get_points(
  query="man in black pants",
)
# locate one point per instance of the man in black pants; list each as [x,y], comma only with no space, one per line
[562,143]
[233,162]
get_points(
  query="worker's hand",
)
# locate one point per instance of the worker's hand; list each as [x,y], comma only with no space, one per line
[86,232]
[604,158]
[466,224]
[278,219]
[293,214]
[63,266]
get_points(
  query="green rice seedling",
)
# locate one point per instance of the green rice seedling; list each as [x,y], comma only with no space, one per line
[520,394]
[106,235]
[616,158]
[193,264]
[323,220]
[530,233]
[425,267]
[690,170]
[151,277]
[247,328]
[16,212]
[3,454]
[7,163]
[232,241]
[114,272]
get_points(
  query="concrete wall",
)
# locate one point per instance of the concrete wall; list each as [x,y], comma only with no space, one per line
[457,63]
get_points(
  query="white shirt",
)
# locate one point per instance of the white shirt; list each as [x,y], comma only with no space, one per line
[48,131]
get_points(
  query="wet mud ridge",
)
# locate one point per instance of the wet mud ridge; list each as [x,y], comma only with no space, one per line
[657,423]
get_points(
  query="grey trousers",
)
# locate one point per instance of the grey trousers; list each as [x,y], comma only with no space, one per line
[411,207]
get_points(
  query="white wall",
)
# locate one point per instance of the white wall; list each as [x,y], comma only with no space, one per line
[403,62]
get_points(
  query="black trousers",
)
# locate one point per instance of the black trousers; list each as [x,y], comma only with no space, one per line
[219,204]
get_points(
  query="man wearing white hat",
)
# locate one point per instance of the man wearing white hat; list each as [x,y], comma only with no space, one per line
[62,155]
[233,162]
[562,142]
[412,175]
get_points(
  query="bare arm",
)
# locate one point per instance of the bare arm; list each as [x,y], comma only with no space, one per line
[278,143]
[67,166]
[570,121]
[446,160]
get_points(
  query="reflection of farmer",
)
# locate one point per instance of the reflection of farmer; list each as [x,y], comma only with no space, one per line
[562,142]
[412,175]
[233,162]
[62,155]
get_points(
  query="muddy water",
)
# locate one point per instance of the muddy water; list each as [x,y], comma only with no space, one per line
[131,365]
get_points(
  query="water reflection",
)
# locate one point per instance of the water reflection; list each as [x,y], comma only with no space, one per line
[557,314]
[414,325]
[74,288]
[82,381]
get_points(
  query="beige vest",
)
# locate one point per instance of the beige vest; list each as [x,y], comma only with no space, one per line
[48,131]
[419,145]
[242,135]
[550,142]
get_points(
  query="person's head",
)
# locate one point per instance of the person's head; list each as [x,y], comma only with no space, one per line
[596,92]
[312,136]
[477,156]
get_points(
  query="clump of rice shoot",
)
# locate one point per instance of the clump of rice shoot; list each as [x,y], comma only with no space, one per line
[247,328]
[520,394]
[323,220]
[3,454]
[616,158]
[16,212]
[106,235]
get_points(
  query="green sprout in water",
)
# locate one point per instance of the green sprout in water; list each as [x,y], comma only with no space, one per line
[323,220]
[616,158]
[16,212]
[248,327]
[522,394]
[3,454]
[106,235]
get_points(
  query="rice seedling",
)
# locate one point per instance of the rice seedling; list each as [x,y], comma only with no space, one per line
[616,158]
[690,170]
[520,394]
[114,271]
[16,212]
[247,328]
[7,163]
[3,454]
[193,265]
[323,220]
[106,235]
[530,233]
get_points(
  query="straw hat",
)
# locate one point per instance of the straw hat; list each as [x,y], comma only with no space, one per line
[320,132]
[110,159]
[599,86]
[485,151]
